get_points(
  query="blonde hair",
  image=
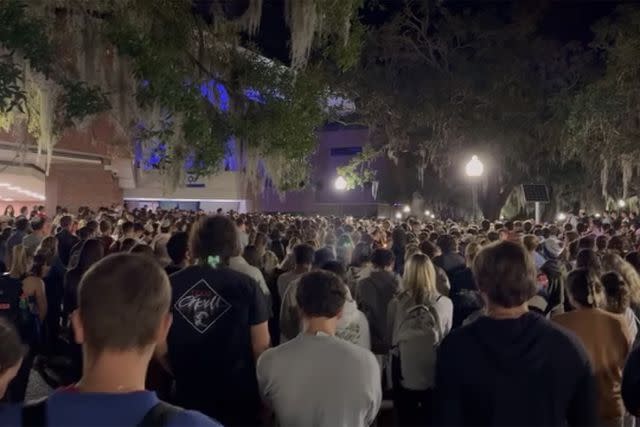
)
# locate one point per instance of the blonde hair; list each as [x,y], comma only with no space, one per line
[270,262]
[471,251]
[419,278]
[19,262]
[614,262]
[411,250]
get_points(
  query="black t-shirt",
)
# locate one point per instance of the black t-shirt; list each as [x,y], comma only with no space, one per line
[210,342]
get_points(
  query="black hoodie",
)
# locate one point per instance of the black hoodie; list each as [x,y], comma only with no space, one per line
[523,371]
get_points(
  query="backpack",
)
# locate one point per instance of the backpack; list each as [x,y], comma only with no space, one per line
[35,414]
[10,292]
[416,337]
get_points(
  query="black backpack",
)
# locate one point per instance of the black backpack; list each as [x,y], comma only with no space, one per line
[10,292]
[35,415]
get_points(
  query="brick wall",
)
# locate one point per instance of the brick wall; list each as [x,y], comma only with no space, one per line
[74,185]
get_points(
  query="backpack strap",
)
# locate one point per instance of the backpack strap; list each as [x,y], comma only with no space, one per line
[34,414]
[159,415]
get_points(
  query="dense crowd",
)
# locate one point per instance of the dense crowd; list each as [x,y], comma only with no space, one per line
[254,319]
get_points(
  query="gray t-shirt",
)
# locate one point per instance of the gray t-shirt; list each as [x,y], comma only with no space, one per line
[320,380]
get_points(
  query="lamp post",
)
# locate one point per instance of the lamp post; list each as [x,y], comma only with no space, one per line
[474,170]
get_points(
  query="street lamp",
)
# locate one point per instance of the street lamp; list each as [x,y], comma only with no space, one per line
[562,216]
[398,215]
[340,183]
[406,209]
[474,170]
[427,213]
[622,203]
[597,215]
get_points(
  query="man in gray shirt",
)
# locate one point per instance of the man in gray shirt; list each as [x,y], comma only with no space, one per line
[318,379]
[32,241]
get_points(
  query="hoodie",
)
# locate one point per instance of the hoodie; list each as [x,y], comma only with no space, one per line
[523,371]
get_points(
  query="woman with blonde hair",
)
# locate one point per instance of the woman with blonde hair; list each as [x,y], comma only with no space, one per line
[419,311]
[614,262]
[31,311]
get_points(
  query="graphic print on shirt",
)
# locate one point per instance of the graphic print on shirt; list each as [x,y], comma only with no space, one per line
[201,306]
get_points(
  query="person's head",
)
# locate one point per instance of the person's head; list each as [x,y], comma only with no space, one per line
[493,236]
[84,233]
[50,245]
[322,256]
[471,252]
[127,244]
[37,225]
[11,353]
[601,242]
[633,258]
[41,263]
[505,274]
[105,227]
[589,259]
[617,292]
[429,249]
[178,248]
[447,243]
[127,229]
[251,255]
[530,242]
[321,295]
[9,211]
[270,262]
[585,289]
[399,239]
[92,251]
[66,221]
[361,254]
[261,242]
[383,259]
[142,319]
[303,255]
[336,267]
[614,262]
[616,245]
[411,249]
[214,236]
[420,278]
[19,262]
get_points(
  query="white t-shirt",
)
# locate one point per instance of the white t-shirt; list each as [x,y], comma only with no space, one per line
[321,381]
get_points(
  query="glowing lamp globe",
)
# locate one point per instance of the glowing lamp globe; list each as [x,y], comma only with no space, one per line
[340,183]
[562,216]
[406,209]
[622,203]
[398,215]
[474,168]
[427,213]
[597,215]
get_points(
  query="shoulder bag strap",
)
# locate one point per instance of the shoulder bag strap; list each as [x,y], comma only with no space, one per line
[159,415]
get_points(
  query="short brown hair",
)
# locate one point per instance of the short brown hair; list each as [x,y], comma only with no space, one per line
[505,272]
[321,294]
[214,236]
[122,300]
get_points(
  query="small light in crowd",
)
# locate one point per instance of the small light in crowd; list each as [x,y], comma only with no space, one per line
[562,216]
[622,203]
[501,217]
[406,209]
[432,216]
[427,213]
[398,215]
[597,215]
[340,183]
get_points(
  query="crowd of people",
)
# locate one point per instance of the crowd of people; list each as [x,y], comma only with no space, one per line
[156,317]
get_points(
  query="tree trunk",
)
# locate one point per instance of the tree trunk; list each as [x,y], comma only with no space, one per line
[494,197]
